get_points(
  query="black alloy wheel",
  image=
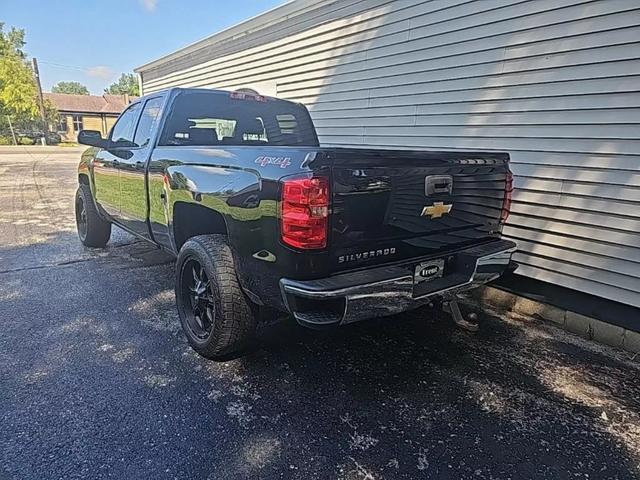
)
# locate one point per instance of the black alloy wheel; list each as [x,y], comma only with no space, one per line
[81,218]
[198,300]
[216,315]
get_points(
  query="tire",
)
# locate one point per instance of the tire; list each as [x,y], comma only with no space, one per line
[93,230]
[215,314]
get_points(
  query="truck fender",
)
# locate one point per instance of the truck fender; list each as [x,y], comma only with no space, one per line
[216,200]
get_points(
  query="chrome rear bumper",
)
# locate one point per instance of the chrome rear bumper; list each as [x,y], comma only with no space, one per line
[384,291]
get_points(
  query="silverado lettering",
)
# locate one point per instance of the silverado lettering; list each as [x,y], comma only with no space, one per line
[249,245]
[365,255]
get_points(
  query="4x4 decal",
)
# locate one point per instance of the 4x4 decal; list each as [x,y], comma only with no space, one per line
[283,162]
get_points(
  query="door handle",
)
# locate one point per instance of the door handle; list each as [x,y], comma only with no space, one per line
[435,184]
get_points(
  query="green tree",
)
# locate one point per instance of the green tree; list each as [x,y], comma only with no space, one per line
[51,114]
[17,87]
[74,88]
[11,42]
[26,123]
[126,84]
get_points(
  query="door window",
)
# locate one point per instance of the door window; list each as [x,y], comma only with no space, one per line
[148,121]
[62,124]
[123,130]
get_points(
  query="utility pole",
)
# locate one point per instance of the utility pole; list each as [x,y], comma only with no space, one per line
[45,127]
[13,133]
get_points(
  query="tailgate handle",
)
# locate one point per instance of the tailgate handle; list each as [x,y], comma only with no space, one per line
[435,184]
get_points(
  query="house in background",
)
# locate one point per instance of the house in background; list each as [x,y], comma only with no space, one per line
[86,112]
[556,83]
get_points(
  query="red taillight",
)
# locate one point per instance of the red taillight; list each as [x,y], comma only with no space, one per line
[508,194]
[305,212]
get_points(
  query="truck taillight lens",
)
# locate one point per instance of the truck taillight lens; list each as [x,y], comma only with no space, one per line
[304,218]
[508,194]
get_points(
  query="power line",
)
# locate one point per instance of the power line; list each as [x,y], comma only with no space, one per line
[62,65]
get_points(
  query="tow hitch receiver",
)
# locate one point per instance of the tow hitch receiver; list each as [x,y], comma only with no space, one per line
[451,307]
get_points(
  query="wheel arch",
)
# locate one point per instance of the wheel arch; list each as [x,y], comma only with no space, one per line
[191,219]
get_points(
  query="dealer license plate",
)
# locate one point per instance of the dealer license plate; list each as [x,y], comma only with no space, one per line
[428,271]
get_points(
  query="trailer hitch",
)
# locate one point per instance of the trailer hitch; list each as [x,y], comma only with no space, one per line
[469,324]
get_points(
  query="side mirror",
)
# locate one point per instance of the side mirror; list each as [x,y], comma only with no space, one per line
[92,138]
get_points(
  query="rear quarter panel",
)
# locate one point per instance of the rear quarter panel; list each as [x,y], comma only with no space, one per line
[240,183]
[84,166]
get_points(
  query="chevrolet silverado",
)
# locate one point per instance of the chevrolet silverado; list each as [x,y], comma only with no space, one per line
[263,220]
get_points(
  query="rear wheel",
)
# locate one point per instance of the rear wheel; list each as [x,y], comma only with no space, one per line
[93,230]
[215,314]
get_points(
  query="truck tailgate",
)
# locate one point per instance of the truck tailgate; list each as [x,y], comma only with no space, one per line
[394,205]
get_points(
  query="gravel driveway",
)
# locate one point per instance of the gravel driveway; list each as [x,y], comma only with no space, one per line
[97,380]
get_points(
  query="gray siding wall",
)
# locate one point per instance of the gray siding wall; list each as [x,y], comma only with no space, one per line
[554,82]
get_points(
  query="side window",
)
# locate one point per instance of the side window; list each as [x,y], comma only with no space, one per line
[122,132]
[148,121]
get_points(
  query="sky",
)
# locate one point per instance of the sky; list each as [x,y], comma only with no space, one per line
[94,41]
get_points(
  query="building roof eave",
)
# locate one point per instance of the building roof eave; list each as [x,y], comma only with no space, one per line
[290,9]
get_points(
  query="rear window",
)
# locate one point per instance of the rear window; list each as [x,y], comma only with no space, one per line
[212,118]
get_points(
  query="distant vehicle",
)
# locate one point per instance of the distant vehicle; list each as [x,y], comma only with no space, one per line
[264,220]
[35,136]
[53,138]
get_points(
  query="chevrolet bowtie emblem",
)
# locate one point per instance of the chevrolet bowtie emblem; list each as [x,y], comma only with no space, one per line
[436,210]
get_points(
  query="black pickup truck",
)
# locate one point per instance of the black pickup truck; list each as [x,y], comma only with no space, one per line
[264,220]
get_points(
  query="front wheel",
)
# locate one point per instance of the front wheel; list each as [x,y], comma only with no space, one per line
[93,230]
[215,314]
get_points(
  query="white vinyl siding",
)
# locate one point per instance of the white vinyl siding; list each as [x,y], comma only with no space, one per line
[556,83]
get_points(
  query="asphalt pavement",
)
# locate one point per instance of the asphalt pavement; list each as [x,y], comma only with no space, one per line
[97,380]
